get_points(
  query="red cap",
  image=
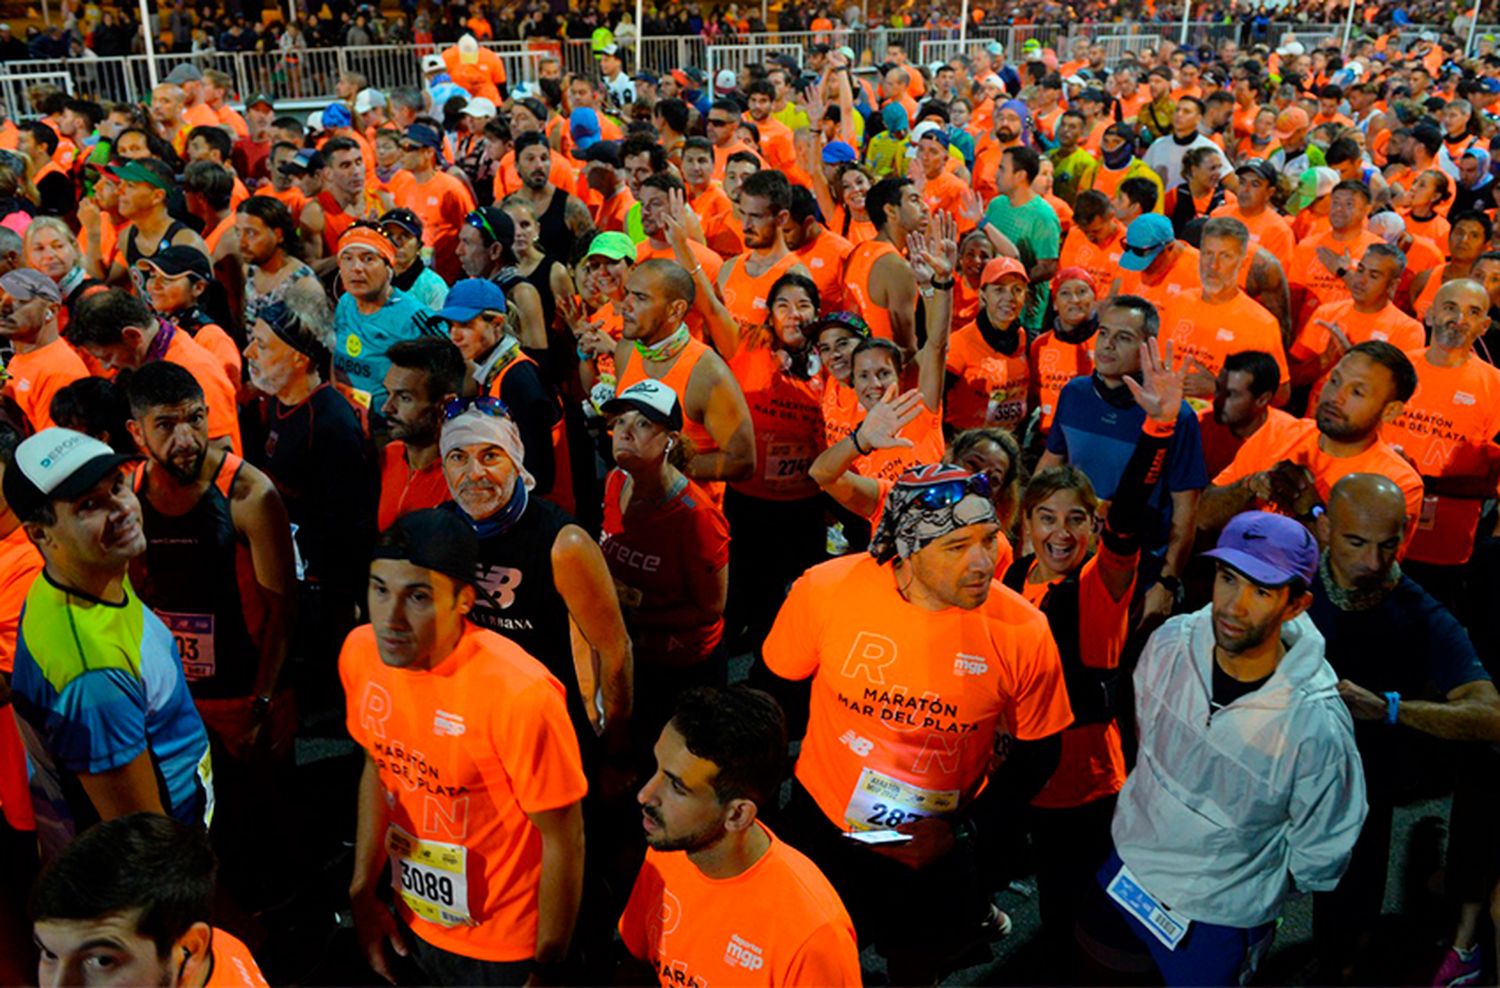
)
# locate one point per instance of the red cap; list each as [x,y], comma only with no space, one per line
[999,268]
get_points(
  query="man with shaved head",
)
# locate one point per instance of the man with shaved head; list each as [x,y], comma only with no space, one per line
[1409,675]
[1448,428]
[656,344]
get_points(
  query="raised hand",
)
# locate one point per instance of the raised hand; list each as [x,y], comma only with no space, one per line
[1159,392]
[917,254]
[882,426]
[941,244]
[972,206]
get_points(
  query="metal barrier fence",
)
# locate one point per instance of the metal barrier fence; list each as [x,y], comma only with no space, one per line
[306,77]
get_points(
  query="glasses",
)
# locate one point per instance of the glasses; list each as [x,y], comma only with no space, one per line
[1143,251]
[947,493]
[720,123]
[479,222]
[483,404]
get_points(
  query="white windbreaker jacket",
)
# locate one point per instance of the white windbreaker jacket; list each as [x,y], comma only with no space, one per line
[1228,812]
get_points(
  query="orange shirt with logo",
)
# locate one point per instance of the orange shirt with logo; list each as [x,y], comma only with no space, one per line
[1320,284]
[1449,429]
[1211,333]
[464,752]
[745,294]
[926,434]
[779,922]
[842,412]
[1091,764]
[824,258]
[1054,363]
[1101,261]
[1297,441]
[991,387]
[37,375]
[234,967]
[907,704]
[787,414]
[1181,277]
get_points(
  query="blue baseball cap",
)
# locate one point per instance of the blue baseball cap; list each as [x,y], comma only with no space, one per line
[1146,236]
[469,297]
[424,136]
[1272,550]
[583,124]
[337,115]
[839,152]
[895,118]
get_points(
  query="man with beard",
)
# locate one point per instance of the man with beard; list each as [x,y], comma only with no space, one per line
[42,363]
[878,280]
[1448,429]
[218,570]
[1409,675]
[98,691]
[560,216]
[1238,687]
[745,281]
[719,761]
[338,200]
[1293,470]
[1243,391]
[545,583]
[423,377]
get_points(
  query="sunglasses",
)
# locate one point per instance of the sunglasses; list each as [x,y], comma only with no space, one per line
[478,221]
[720,123]
[483,404]
[947,493]
[1143,251]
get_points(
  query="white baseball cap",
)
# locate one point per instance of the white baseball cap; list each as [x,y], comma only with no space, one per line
[652,399]
[57,464]
[433,63]
[726,79]
[480,107]
[368,99]
[315,121]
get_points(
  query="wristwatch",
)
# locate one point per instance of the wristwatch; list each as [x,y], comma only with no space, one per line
[260,706]
[1172,585]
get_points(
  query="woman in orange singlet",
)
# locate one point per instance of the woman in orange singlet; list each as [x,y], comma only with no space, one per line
[974,252]
[848,217]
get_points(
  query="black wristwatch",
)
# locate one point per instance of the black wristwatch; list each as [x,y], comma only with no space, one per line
[1171,584]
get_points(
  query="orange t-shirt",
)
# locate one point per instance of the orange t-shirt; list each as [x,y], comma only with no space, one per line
[20,563]
[1054,363]
[218,391]
[745,294]
[403,490]
[711,264]
[234,967]
[787,415]
[216,341]
[716,215]
[1269,230]
[200,115]
[230,117]
[926,433]
[464,752]
[1091,764]
[1320,284]
[291,197]
[1220,446]
[1297,441]
[945,194]
[908,705]
[991,386]
[1389,325]
[1449,429]
[1242,119]
[721,156]
[1101,261]
[858,269]
[842,412]
[697,930]
[1210,334]
[857,232]
[609,214]
[1434,228]
[825,259]
[441,203]
[508,179]
[1181,277]
[37,375]
[777,148]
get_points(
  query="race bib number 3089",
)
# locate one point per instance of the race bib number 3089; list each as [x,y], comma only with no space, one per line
[431,877]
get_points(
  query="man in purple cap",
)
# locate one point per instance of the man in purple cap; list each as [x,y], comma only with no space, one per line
[1248,786]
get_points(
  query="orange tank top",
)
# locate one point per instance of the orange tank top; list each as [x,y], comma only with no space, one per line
[858,288]
[745,294]
[676,378]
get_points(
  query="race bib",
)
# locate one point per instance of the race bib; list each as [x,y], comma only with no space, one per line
[787,463]
[881,802]
[1005,408]
[1154,916]
[431,877]
[194,635]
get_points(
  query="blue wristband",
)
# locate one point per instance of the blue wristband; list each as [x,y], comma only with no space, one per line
[1392,708]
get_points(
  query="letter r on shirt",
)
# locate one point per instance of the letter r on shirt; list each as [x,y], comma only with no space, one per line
[870,655]
[375,709]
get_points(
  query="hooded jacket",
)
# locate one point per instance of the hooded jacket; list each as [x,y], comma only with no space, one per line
[1229,811]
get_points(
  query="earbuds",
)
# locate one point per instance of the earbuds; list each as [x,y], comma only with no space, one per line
[669,445]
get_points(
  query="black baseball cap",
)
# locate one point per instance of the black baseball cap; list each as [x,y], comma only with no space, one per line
[404,218]
[435,539]
[178,259]
[1262,168]
[604,152]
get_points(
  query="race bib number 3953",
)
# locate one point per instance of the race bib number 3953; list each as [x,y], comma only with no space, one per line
[431,877]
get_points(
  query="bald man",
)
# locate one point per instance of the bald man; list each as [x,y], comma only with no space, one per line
[1409,675]
[1449,429]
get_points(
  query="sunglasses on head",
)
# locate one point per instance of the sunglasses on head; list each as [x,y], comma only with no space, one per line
[947,493]
[483,404]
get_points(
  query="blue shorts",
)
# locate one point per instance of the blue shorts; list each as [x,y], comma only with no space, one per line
[1209,954]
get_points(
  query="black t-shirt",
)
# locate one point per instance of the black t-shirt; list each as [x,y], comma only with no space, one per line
[1227,689]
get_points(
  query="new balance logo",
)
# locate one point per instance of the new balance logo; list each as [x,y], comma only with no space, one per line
[860,746]
[744,953]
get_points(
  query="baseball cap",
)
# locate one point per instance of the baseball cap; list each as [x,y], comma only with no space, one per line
[178,260]
[1271,550]
[1260,167]
[186,72]
[1291,48]
[1092,96]
[603,152]
[493,223]
[435,539]
[404,218]
[994,48]
[368,99]
[609,50]
[681,78]
[57,464]
[1291,120]
[726,79]
[260,99]
[648,78]
[1315,183]
[25,284]
[315,121]
[136,170]
[1489,85]
[433,63]
[652,399]
[1000,267]
[1144,239]
[583,124]
[337,115]
[468,49]
[928,128]
[839,152]
[612,244]
[425,136]
[470,297]
[480,107]
[304,161]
